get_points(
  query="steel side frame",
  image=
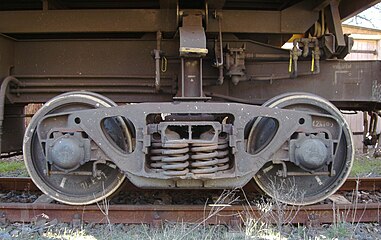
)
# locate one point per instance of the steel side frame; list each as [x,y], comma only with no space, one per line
[133,164]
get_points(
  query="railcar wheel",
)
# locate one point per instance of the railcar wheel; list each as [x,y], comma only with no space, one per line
[303,187]
[71,187]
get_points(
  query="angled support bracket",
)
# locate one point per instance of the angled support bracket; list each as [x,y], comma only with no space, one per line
[334,23]
[192,50]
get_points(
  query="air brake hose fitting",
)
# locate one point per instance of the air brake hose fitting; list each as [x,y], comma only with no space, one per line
[294,56]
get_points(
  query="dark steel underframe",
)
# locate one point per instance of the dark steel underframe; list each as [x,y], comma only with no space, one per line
[143,20]
[354,85]
[46,68]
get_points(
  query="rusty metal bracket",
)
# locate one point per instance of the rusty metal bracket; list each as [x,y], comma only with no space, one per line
[192,35]
[157,55]
[235,64]
[334,23]
[313,220]
[76,221]
[3,218]
[3,91]
[219,52]
[235,223]
[157,222]
[192,50]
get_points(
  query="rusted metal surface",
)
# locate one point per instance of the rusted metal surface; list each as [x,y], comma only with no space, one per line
[19,127]
[364,184]
[153,20]
[343,83]
[22,184]
[62,66]
[13,128]
[17,184]
[328,213]
[149,214]
[148,4]
[241,170]
[287,16]
[139,214]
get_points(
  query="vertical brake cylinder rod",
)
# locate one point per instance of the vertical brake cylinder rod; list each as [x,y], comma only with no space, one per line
[157,55]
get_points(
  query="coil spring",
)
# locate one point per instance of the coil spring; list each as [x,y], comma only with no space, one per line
[210,158]
[171,158]
[155,156]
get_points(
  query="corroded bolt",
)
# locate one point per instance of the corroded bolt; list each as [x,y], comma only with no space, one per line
[77,221]
[3,218]
[313,220]
[157,222]
[235,224]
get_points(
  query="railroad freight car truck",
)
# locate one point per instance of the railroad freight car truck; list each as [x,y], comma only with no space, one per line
[182,94]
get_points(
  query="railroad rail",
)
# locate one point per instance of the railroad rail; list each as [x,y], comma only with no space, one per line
[26,183]
[232,215]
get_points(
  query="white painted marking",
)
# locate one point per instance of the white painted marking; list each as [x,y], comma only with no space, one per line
[112,166]
[63,182]
[337,75]
[318,180]
[219,205]
[268,169]
[83,185]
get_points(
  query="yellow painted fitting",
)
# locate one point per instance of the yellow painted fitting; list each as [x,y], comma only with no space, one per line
[313,62]
[164,64]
